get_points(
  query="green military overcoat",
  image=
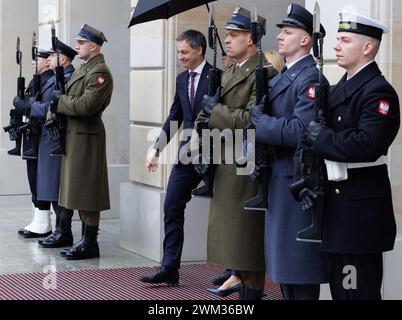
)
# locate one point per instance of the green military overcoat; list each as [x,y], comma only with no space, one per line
[235,236]
[84,177]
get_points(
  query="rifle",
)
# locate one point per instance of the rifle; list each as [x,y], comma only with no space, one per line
[312,166]
[56,125]
[32,126]
[262,151]
[208,170]
[15,118]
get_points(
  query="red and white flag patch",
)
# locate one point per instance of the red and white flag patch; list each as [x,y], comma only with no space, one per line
[101,80]
[383,107]
[311,92]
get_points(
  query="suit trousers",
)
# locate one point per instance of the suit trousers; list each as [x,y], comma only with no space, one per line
[32,169]
[300,291]
[90,218]
[182,181]
[355,276]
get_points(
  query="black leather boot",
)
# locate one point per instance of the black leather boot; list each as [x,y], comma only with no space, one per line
[64,251]
[88,249]
[247,293]
[61,238]
[55,233]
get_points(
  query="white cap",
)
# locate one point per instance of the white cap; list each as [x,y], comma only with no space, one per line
[357,23]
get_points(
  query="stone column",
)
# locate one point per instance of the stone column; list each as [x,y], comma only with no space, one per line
[17,18]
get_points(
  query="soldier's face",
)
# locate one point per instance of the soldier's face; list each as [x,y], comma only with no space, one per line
[237,43]
[189,58]
[348,50]
[291,41]
[43,65]
[52,61]
[83,49]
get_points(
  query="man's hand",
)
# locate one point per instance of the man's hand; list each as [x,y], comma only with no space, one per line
[152,160]
[256,112]
[314,130]
[55,100]
[307,198]
[19,105]
[209,102]
[28,105]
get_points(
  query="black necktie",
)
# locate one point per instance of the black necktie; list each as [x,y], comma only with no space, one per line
[285,68]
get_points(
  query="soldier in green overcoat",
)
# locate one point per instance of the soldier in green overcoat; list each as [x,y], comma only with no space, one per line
[84,177]
[236,236]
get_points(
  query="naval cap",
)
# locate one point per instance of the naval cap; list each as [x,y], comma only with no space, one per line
[353,22]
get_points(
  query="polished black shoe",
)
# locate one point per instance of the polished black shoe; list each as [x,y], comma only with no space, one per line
[63,252]
[21,231]
[57,240]
[30,235]
[226,292]
[164,275]
[222,278]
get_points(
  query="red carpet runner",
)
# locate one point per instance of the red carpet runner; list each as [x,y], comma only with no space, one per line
[116,284]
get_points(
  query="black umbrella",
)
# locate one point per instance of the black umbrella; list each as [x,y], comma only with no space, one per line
[150,10]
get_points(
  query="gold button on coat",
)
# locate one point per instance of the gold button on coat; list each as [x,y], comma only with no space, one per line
[337,191]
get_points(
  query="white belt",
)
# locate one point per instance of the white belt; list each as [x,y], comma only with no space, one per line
[338,171]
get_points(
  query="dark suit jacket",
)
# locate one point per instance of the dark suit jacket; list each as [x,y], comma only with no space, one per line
[364,121]
[180,110]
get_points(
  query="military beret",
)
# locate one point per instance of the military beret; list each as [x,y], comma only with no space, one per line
[299,17]
[241,20]
[65,49]
[357,23]
[88,33]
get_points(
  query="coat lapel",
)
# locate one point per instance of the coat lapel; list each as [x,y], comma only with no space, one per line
[282,81]
[345,89]
[234,77]
[202,88]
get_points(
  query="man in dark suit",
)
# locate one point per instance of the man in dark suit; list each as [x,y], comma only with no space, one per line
[191,86]
[303,268]
[364,119]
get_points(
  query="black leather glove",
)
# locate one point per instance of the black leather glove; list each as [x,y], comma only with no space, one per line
[314,130]
[28,105]
[55,100]
[256,112]
[307,198]
[209,103]
[19,104]
[201,169]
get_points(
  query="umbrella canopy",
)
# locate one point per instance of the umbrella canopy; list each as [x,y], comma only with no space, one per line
[150,10]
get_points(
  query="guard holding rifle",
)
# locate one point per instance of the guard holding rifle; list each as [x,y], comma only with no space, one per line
[364,119]
[41,223]
[299,267]
[235,237]
[49,166]
[84,182]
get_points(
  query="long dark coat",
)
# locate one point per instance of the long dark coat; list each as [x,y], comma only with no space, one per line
[48,178]
[364,121]
[235,236]
[84,177]
[289,261]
